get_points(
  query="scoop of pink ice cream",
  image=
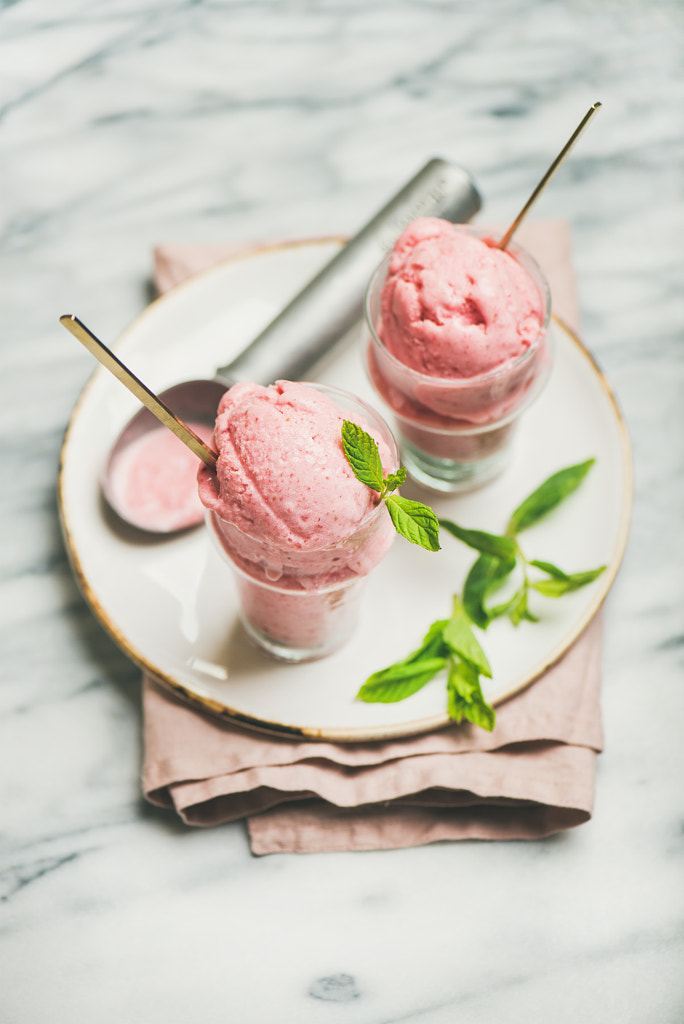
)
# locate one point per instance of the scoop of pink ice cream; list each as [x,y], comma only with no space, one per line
[287,498]
[455,306]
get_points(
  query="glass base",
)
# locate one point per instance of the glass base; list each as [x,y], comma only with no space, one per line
[449,476]
[289,652]
[296,625]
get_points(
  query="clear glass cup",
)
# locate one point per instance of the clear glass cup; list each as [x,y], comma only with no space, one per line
[299,605]
[455,433]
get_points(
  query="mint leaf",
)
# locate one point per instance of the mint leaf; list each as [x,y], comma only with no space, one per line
[362,455]
[560,585]
[485,577]
[414,521]
[549,568]
[465,698]
[487,543]
[459,637]
[548,496]
[394,480]
[433,645]
[409,675]
[518,610]
[451,643]
[499,610]
[399,681]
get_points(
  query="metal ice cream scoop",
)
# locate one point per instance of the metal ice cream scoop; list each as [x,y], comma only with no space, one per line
[315,320]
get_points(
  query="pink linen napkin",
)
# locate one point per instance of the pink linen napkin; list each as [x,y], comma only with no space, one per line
[531,777]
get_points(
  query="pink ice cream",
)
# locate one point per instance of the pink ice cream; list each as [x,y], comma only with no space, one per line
[289,511]
[457,348]
[453,305]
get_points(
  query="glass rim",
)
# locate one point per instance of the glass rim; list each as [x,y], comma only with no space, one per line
[489,375]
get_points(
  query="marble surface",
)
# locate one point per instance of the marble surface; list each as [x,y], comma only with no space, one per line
[129,122]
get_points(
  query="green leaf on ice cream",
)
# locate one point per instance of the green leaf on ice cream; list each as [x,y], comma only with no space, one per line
[412,519]
[362,455]
[394,480]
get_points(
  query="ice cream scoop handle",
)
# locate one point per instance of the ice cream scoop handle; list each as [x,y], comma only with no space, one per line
[329,306]
[140,390]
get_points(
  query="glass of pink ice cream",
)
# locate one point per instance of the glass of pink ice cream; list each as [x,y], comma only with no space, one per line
[457,346]
[284,508]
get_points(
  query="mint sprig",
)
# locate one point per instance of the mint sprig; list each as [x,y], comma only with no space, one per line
[501,554]
[451,644]
[412,519]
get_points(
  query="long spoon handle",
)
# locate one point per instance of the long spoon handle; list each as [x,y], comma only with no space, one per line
[141,392]
[549,174]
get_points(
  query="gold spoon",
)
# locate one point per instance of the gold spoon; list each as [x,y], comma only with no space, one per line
[549,174]
[140,390]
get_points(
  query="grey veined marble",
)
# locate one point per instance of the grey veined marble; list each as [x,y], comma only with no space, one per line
[123,124]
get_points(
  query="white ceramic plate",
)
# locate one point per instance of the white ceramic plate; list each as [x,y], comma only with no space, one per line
[171,606]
